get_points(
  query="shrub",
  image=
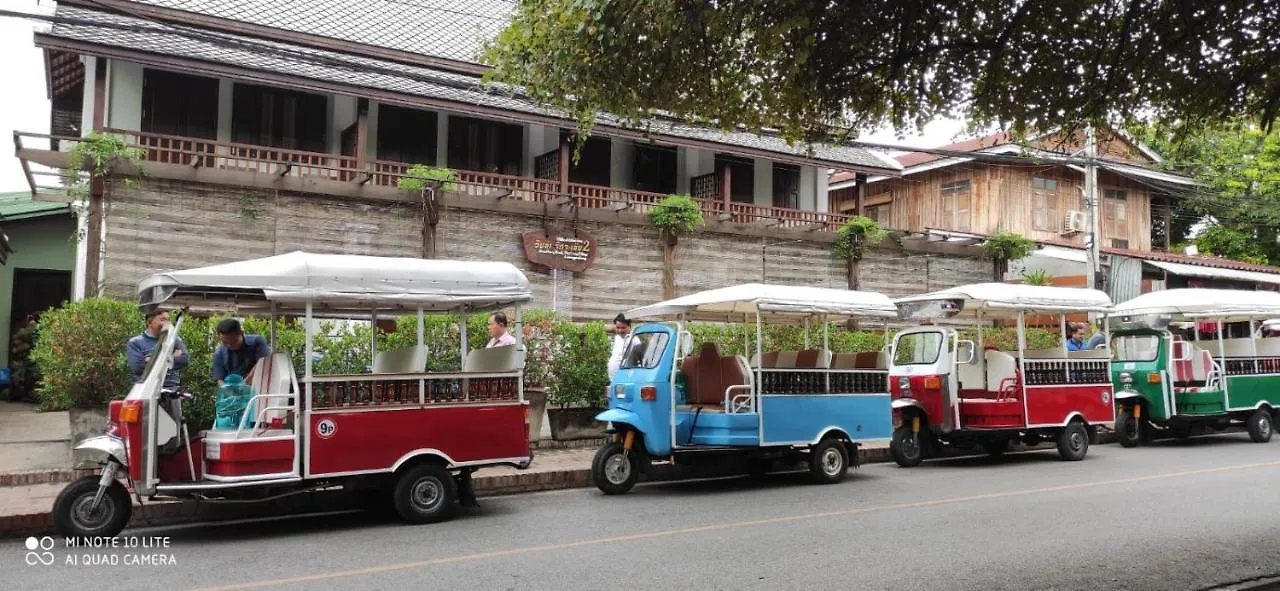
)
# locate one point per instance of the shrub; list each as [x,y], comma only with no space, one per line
[80,349]
[420,175]
[856,234]
[677,215]
[580,365]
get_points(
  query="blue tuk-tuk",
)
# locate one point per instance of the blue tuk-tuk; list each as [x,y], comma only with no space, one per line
[669,403]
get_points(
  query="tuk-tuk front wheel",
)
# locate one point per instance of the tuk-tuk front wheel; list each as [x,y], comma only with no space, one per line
[1073,441]
[76,515]
[828,461]
[905,447]
[425,493]
[1129,430]
[616,470]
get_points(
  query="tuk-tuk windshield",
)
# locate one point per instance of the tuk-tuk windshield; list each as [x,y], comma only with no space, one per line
[918,348]
[644,350]
[1135,347]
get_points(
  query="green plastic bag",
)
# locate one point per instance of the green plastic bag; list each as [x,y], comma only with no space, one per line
[232,402]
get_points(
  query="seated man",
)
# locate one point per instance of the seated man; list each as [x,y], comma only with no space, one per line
[239,353]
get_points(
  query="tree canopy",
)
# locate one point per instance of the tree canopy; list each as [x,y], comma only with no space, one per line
[808,67]
[1238,166]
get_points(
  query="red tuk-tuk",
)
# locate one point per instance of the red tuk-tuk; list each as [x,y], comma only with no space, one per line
[948,389]
[410,436]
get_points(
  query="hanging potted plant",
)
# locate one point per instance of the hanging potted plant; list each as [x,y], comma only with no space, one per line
[675,216]
[1005,247]
[852,241]
[581,380]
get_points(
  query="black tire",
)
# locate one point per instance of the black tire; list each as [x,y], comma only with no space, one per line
[1073,442]
[905,447]
[71,516]
[828,461]
[425,493]
[1260,426]
[995,447]
[614,470]
[1128,429]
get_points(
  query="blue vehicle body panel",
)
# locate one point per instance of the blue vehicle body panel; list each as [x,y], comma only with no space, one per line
[717,428]
[800,418]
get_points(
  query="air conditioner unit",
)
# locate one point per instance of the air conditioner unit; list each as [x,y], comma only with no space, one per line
[1075,222]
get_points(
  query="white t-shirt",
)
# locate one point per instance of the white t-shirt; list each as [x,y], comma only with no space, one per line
[615,357]
[502,341]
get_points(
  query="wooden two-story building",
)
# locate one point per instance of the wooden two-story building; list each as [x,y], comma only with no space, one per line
[270,126]
[981,186]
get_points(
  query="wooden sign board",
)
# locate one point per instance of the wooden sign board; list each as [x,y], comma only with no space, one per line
[561,251]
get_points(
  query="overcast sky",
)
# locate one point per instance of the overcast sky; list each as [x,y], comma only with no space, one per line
[24,104]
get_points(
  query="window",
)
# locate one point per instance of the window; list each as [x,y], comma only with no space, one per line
[644,350]
[1045,214]
[655,169]
[179,104]
[1115,217]
[406,135]
[879,213]
[742,177]
[957,206]
[279,118]
[917,348]
[786,186]
[1138,347]
[485,146]
[594,161]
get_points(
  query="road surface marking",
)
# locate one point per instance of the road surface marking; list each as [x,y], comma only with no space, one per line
[723,526]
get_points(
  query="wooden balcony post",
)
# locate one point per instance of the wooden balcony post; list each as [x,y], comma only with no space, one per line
[564,166]
[860,192]
[725,186]
[362,133]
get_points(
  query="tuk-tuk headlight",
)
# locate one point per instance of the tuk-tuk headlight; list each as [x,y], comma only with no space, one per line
[1126,378]
[904,384]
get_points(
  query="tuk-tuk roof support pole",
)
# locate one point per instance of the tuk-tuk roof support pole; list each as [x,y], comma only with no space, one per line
[759,377]
[981,345]
[746,336]
[310,336]
[462,332]
[373,335]
[519,326]
[1022,363]
[1222,359]
[826,334]
[422,327]
[806,332]
[1253,345]
[1062,328]
[271,334]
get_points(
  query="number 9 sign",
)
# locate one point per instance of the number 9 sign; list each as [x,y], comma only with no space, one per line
[326,428]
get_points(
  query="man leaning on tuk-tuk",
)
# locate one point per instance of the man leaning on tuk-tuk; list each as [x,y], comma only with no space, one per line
[139,349]
[239,353]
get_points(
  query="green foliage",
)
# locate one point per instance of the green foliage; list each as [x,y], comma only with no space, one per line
[80,349]
[1006,339]
[677,215]
[420,176]
[855,236]
[100,153]
[731,338]
[1231,243]
[1036,277]
[777,65]
[250,209]
[24,373]
[580,365]
[1008,247]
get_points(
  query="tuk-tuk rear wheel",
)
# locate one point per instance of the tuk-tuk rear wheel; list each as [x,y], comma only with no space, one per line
[74,516]
[615,470]
[828,461]
[426,493]
[1073,441]
[1260,426]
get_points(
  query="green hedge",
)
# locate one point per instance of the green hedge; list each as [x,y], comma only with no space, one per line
[80,350]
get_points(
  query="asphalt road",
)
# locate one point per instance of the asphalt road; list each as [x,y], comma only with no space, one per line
[1174,516]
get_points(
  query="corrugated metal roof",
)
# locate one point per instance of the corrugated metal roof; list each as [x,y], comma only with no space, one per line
[451,29]
[90,26]
[20,206]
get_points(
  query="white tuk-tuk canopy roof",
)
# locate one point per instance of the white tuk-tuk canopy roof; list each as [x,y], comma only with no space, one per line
[1228,305]
[1007,299]
[775,303]
[336,283]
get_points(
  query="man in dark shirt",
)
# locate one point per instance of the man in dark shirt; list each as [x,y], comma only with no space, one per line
[139,349]
[238,353]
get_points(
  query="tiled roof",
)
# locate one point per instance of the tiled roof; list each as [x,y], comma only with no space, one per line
[1200,261]
[973,145]
[20,206]
[451,29]
[335,68]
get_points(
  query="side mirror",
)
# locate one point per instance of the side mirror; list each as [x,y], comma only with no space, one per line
[686,343]
[965,352]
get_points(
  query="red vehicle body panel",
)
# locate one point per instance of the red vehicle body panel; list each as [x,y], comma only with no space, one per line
[933,402]
[175,468]
[375,440]
[247,457]
[1052,405]
[1045,405]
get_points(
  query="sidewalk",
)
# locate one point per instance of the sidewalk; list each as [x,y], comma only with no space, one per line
[31,440]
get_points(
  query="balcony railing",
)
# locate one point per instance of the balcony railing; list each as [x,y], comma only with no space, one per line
[198,152]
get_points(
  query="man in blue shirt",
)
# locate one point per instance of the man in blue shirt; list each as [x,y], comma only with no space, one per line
[139,349]
[1076,341]
[239,353]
